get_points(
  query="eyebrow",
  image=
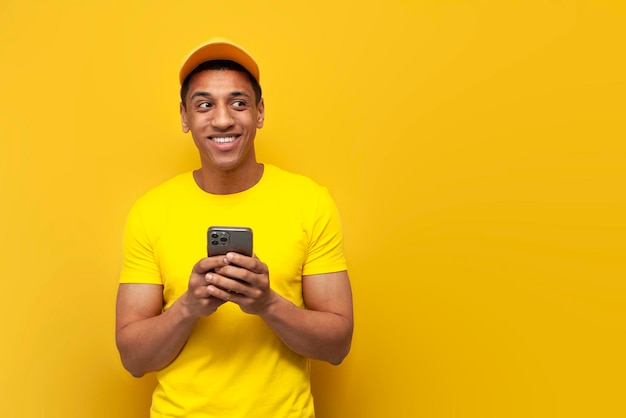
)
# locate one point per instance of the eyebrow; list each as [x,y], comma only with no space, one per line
[207,94]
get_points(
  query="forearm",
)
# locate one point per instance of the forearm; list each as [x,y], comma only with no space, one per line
[320,335]
[151,344]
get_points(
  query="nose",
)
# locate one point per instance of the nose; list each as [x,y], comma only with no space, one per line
[222,119]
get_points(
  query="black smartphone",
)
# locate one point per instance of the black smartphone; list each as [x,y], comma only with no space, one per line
[223,239]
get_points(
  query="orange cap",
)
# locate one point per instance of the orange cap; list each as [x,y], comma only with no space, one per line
[219,49]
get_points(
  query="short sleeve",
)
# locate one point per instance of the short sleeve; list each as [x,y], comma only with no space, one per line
[325,250]
[140,264]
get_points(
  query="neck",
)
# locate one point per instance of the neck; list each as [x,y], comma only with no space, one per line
[227,182]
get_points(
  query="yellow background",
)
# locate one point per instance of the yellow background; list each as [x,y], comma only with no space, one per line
[476,150]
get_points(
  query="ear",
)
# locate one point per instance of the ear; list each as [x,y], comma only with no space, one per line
[260,117]
[183,118]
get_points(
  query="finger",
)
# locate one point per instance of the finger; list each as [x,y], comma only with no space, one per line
[199,292]
[221,294]
[249,263]
[233,272]
[207,264]
[227,283]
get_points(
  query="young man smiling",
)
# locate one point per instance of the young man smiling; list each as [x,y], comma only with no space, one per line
[224,339]
[223,113]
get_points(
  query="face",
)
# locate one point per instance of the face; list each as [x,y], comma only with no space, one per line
[222,115]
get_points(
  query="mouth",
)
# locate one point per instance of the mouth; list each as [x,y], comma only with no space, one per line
[223,139]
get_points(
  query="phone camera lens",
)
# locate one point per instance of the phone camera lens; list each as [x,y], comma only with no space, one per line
[214,242]
[214,235]
[223,239]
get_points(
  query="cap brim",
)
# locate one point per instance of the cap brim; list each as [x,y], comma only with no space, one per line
[219,50]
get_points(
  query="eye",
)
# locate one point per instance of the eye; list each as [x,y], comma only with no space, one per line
[239,103]
[204,105]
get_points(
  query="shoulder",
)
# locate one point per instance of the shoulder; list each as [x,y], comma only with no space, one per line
[169,189]
[299,193]
[293,183]
[160,200]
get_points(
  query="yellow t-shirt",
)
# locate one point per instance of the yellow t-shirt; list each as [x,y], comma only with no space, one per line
[233,365]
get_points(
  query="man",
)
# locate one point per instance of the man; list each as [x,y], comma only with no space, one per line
[231,336]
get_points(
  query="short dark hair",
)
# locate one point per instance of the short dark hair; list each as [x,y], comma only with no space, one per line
[220,65]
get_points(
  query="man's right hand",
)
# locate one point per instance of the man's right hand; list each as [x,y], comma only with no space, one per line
[149,338]
[197,301]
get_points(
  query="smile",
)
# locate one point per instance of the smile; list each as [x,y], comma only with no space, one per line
[223,140]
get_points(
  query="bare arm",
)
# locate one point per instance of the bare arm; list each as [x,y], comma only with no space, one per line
[322,331]
[149,339]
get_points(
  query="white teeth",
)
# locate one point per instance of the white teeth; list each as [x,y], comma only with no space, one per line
[224,140]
